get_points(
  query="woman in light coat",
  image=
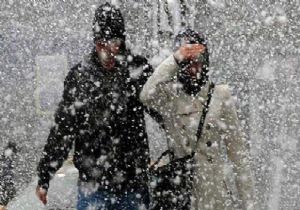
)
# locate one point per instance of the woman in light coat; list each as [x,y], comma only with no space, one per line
[222,174]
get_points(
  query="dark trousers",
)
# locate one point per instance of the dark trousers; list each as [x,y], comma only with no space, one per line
[105,200]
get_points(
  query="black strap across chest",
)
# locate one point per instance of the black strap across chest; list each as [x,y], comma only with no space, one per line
[203,116]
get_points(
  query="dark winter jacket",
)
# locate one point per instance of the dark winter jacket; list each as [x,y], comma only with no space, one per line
[101,112]
[7,186]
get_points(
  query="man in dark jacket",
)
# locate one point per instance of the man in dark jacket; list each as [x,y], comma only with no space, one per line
[101,112]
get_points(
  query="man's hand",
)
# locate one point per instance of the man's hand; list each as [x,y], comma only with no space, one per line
[41,194]
[188,52]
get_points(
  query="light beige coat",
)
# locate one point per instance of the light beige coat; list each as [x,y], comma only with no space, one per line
[223,180]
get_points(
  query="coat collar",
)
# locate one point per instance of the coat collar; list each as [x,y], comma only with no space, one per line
[186,104]
[202,95]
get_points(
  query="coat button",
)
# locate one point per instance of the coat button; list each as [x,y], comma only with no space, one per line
[210,159]
[208,126]
[208,143]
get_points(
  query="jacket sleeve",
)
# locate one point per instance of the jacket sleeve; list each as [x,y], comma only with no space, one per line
[155,92]
[7,186]
[147,71]
[61,135]
[238,152]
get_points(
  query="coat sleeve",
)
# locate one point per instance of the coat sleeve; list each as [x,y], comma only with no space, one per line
[238,152]
[62,134]
[155,92]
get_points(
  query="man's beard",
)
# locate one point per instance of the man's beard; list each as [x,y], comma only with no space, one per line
[109,61]
[190,85]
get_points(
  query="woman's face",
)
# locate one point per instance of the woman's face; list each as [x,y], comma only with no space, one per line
[194,70]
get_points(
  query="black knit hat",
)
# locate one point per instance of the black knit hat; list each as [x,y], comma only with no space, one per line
[189,36]
[108,23]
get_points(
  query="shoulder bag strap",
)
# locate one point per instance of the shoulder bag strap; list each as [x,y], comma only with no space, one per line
[203,116]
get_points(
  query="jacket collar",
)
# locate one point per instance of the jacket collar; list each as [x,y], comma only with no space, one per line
[92,64]
[202,95]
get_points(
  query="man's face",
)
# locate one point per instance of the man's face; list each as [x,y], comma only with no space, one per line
[107,50]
